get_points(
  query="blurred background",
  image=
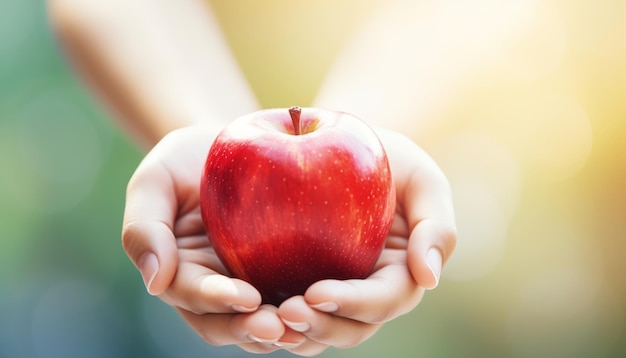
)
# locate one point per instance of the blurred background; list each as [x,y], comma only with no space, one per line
[523,105]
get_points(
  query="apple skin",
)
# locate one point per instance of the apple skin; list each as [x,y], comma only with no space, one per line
[283,211]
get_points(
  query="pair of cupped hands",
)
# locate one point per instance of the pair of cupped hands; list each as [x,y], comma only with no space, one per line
[164,236]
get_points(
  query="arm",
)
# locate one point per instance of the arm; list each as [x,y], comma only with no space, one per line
[148,63]
[158,65]
[161,65]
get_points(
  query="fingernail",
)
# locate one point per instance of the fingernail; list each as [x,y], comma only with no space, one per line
[280,344]
[252,337]
[297,326]
[326,307]
[148,266]
[243,309]
[434,262]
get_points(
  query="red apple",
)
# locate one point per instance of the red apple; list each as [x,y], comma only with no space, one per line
[291,197]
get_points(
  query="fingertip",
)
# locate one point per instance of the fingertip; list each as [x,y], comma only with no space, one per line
[159,273]
[245,297]
[324,295]
[225,294]
[262,326]
[328,306]
[430,245]
[426,267]
[243,309]
[290,340]
[148,266]
[151,246]
[434,261]
[295,314]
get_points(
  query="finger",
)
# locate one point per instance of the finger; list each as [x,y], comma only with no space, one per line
[323,328]
[398,234]
[153,197]
[429,211]
[199,289]
[290,339]
[262,326]
[255,332]
[425,199]
[147,235]
[430,244]
[399,226]
[388,293]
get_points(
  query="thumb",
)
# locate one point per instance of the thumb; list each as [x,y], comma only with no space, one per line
[151,246]
[147,234]
[430,244]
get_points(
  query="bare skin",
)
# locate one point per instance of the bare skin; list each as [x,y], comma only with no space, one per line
[132,55]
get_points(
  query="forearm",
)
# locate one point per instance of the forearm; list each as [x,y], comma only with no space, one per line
[158,65]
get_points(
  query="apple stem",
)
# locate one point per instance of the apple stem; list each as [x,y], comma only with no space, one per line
[294,112]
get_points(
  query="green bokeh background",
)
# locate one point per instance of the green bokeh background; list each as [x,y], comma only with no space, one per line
[68,290]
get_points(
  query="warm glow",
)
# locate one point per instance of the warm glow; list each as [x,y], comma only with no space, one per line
[521,103]
[486,186]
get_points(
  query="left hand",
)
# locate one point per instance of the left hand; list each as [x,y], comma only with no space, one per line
[343,314]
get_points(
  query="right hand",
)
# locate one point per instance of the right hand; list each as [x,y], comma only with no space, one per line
[164,237]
